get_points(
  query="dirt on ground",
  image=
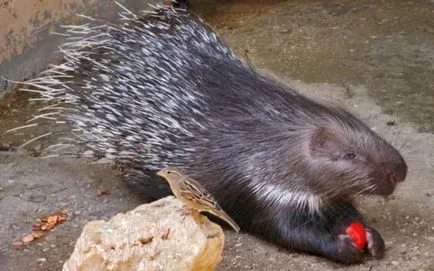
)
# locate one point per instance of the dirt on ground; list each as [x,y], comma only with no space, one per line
[376,58]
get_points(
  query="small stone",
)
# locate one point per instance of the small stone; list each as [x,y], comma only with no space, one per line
[394,263]
[41,260]
[4,147]
[36,198]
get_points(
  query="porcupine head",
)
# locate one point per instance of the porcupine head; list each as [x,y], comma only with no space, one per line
[343,157]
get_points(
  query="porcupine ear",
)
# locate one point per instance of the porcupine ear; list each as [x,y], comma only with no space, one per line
[319,139]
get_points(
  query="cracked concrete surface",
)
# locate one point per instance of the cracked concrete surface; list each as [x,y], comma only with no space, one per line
[375,58]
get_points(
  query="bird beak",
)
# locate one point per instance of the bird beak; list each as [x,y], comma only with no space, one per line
[160,173]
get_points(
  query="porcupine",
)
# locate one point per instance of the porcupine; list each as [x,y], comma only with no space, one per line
[165,90]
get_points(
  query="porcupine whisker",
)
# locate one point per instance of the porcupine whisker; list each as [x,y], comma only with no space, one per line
[361,192]
[348,186]
[362,135]
[356,184]
[368,188]
[405,144]
[395,138]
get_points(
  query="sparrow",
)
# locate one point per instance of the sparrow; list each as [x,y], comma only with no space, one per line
[194,195]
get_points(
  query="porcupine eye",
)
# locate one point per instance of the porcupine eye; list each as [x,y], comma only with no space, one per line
[350,155]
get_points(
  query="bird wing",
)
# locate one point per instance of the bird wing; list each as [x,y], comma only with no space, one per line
[195,192]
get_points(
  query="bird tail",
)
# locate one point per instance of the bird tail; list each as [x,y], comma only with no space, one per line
[227,218]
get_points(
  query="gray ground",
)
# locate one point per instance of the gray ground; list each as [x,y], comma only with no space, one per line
[374,57]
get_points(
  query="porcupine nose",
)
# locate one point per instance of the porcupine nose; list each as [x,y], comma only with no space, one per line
[398,172]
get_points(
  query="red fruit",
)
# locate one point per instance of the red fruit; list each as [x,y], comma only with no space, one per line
[358,233]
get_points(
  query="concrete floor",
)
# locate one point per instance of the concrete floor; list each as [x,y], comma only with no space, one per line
[374,57]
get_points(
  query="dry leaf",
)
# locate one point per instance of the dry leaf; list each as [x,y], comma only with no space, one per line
[28,238]
[18,244]
[37,235]
[36,227]
[52,219]
[102,193]
[48,227]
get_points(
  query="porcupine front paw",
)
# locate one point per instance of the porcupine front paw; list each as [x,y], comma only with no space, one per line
[346,251]
[375,243]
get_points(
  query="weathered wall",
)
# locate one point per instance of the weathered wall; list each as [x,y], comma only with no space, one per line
[27,44]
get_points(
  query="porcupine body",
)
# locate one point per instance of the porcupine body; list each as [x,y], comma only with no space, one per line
[166,91]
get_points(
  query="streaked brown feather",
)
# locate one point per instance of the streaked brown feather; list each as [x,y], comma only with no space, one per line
[195,195]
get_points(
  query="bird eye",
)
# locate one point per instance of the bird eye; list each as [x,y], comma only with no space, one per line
[350,155]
